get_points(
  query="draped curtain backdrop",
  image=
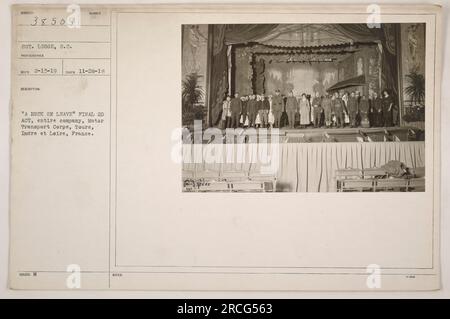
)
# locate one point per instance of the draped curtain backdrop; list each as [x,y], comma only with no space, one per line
[386,36]
[223,35]
[229,34]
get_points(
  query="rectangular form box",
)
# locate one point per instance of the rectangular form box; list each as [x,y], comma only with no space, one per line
[58,16]
[63,50]
[65,34]
[83,67]
[39,67]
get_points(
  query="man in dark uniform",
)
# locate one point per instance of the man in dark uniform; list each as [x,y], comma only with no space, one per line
[264,112]
[352,106]
[328,109]
[364,111]
[252,109]
[236,108]
[277,108]
[338,105]
[291,108]
[377,110]
[317,109]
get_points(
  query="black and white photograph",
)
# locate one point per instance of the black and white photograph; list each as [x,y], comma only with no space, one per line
[303,107]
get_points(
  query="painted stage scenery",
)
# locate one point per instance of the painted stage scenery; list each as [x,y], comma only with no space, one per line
[303,108]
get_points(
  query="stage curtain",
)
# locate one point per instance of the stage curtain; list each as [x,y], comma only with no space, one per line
[219,70]
[223,35]
[386,35]
[310,167]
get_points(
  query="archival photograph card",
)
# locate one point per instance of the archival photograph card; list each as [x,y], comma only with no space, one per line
[225,147]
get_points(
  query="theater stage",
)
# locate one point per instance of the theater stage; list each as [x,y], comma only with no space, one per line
[346,134]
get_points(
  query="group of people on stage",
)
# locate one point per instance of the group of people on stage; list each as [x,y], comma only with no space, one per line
[338,109]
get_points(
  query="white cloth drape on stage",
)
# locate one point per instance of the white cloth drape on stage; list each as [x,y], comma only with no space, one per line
[306,167]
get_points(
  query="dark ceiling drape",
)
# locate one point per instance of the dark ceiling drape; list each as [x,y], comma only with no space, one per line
[358,32]
[241,33]
[230,34]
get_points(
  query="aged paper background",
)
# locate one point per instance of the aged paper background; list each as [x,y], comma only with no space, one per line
[256,220]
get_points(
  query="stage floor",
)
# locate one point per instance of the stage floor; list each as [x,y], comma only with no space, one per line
[346,134]
[346,130]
